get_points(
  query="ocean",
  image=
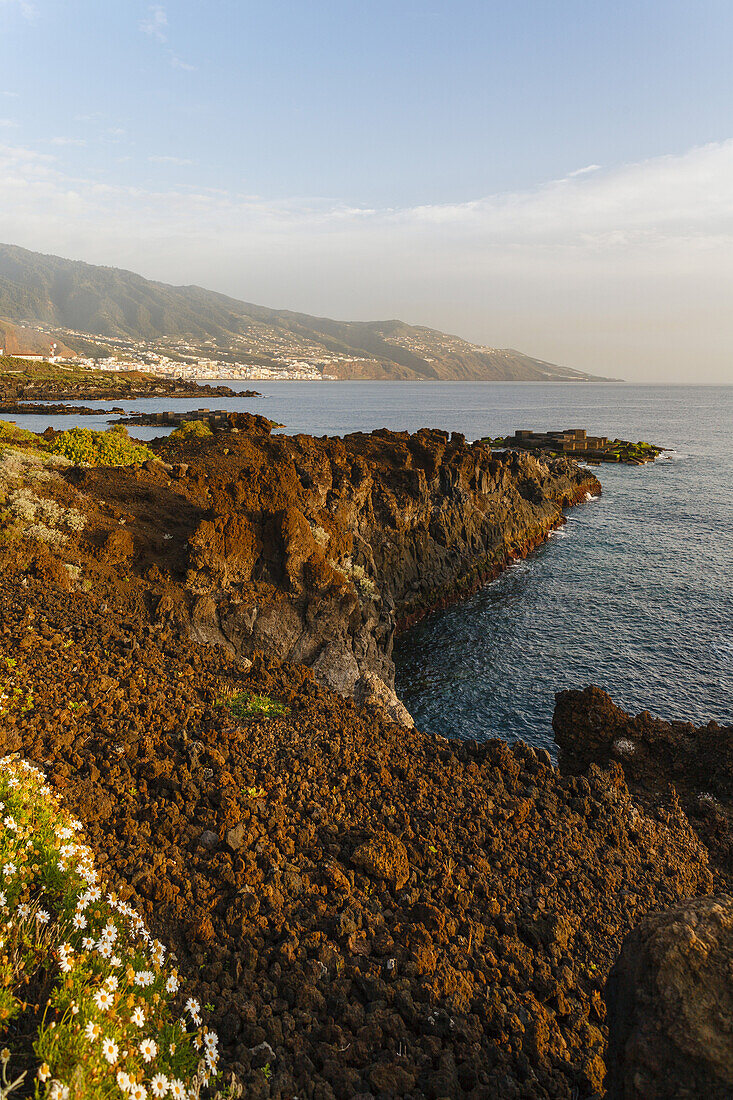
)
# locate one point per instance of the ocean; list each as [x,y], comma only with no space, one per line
[634,593]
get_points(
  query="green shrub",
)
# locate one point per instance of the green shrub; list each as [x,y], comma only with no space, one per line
[192,429]
[246,704]
[86,447]
[11,433]
[111,1025]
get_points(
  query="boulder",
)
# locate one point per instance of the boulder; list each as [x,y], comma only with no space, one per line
[384,856]
[670,1006]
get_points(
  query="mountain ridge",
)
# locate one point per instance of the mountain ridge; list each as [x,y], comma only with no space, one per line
[75,301]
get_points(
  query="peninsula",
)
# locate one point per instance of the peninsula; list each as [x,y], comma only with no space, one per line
[24,380]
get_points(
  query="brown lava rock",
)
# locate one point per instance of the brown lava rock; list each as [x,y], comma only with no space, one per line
[316,550]
[465,955]
[384,857]
[389,913]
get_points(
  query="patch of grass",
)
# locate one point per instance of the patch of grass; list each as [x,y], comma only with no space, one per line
[248,704]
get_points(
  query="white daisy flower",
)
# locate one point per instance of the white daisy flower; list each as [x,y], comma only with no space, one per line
[172,985]
[24,911]
[159,1085]
[103,999]
[110,1051]
[138,1092]
[9,869]
[123,1080]
[92,1031]
[148,1048]
[115,961]
[138,1016]
[178,1089]
[42,916]
[79,921]
[10,823]
[44,1072]
[87,943]
[104,949]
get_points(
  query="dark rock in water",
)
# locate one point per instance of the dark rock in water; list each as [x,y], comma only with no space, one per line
[670,1006]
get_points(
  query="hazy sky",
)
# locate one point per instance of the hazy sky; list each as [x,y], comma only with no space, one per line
[548,175]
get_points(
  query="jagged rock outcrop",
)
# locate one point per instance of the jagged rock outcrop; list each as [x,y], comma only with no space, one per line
[696,761]
[316,550]
[670,1006]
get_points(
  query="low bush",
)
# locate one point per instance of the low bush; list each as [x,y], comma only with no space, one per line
[192,429]
[86,447]
[11,433]
[111,1025]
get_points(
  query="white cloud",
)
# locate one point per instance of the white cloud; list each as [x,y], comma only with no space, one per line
[7,123]
[621,270]
[179,63]
[67,141]
[11,95]
[155,23]
[26,9]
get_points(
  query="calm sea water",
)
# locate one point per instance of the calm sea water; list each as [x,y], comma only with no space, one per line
[635,593]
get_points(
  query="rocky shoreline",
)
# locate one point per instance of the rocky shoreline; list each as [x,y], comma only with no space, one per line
[370,911]
[317,550]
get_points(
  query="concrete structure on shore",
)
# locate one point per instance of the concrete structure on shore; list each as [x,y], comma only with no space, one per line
[571,439]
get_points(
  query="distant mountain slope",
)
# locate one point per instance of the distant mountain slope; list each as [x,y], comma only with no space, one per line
[108,302]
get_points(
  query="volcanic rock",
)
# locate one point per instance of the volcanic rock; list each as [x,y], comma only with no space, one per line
[670,1006]
[385,857]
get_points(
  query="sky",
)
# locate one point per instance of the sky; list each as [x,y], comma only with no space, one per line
[550,175]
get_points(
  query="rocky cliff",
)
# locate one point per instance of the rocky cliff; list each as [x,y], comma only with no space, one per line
[316,550]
